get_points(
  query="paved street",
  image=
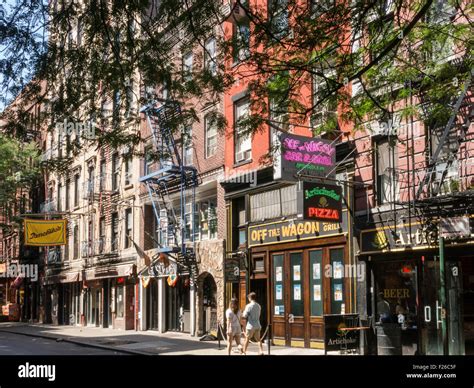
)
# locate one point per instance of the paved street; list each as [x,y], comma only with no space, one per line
[32,341]
[21,345]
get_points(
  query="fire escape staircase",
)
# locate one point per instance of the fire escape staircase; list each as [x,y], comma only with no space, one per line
[171,177]
[451,136]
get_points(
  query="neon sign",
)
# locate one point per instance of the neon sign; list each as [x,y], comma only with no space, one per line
[304,155]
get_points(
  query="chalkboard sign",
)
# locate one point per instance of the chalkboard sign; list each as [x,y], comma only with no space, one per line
[337,339]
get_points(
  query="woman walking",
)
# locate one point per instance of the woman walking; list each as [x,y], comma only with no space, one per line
[234,328]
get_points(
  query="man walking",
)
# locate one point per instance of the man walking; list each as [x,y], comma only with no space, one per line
[252,315]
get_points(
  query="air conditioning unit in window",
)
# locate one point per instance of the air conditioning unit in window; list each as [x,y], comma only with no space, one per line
[242,156]
[226,9]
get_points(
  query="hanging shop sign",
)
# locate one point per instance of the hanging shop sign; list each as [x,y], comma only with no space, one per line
[304,155]
[287,231]
[160,269]
[45,233]
[232,270]
[320,202]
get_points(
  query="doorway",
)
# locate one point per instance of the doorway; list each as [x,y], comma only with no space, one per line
[152,305]
[259,286]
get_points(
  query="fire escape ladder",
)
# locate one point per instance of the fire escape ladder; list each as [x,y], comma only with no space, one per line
[448,137]
[167,185]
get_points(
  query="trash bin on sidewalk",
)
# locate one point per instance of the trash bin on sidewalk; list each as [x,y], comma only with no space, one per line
[389,339]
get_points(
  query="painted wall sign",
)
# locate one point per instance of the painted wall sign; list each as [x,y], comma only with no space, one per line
[44,233]
[319,201]
[305,155]
[287,231]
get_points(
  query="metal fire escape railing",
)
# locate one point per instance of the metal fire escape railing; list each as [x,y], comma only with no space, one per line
[450,139]
[171,176]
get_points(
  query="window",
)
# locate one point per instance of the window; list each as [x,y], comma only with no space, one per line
[278,15]
[67,188]
[320,7]
[210,128]
[210,58]
[148,161]
[241,40]
[76,242]
[60,196]
[208,219]
[102,167]
[115,171]
[188,67]
[279,94]
[188,146]
[387,185]
[76,190]
[316,282]
[324,113]
[114,234]
[128,228]
[116,102]
[120,301]
[101,234]
[205,220]
[128,170]
[336,257]
[274,203]
[243,140]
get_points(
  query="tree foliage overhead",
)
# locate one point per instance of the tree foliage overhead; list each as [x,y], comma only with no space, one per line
[98,56]
[19,172]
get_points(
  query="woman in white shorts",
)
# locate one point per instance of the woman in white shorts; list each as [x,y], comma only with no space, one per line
[234,327]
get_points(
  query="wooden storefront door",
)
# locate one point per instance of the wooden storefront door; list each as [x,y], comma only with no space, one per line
[288,298]
[302,292]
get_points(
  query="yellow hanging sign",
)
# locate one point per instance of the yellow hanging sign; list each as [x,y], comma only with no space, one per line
[45,233]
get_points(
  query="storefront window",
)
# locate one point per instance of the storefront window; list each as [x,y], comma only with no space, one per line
[315,267]
[120,302]
[337,281]
[396,293]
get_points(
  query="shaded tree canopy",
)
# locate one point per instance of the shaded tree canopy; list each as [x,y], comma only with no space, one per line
[97,56]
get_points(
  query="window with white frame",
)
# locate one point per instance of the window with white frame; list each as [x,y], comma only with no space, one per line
[210,128]
[188,66]
[387,182]
[324,108]
[243,140]
[188,146]
[210,57]
[241,40]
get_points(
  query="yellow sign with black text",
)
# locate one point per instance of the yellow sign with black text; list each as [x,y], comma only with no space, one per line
[45,233]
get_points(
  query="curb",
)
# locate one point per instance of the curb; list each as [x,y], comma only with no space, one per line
[80,343]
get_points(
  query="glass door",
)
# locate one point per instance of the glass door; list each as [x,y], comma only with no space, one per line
[296,310]
[432,342]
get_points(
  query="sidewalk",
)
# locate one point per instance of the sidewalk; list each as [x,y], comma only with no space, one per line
[139,342]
